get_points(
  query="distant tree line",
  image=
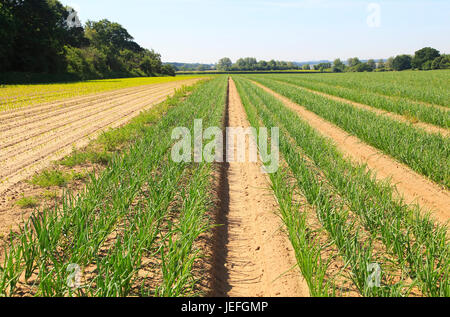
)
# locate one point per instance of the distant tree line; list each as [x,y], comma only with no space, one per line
[252,64]
[192,66]
[426,58]
[37,36]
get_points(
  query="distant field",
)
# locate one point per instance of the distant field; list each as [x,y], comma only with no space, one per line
[431,86]
[17,96]
[209,72]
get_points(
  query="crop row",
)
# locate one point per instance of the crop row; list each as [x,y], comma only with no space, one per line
[411,110]
[417,246]
[142,207]
[430,87]
[427,154]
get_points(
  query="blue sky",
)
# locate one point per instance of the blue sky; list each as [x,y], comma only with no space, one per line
[293,30]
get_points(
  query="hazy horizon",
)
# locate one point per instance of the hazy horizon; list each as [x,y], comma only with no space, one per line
[203,31]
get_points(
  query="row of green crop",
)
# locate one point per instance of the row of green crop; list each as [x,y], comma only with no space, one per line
[430,87]
[131,200]
[418,245]
[411,110]
[427,154]
[330,212]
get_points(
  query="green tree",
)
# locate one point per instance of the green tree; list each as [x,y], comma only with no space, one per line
[38,26]
[322,66]
[371,63]
[363,67]
[7,34]
[201,68]
[306,67]
[338,66]
[251,63]
[248,63]
[272,64]
[151,63]
[168,70]
[389,64]
[224,64]
[240,64]
[79,64]
[291,65]
[441,62]
[424,55]
[262,65]
[106,34]
[427,65]
[75,34]
[351,62]
[402,62]
[284,65]
[37,36]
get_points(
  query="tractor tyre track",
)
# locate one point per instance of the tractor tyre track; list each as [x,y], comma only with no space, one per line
[257,258]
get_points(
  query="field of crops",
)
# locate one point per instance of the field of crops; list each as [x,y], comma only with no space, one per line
[17,96]
[382,229]
[425,87]
[34,135]
[359,205]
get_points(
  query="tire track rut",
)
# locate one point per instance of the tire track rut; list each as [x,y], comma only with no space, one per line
[257,259]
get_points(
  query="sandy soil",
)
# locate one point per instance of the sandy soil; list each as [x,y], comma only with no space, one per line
[42,107]
[258,257]
[413,187]
[33,137]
